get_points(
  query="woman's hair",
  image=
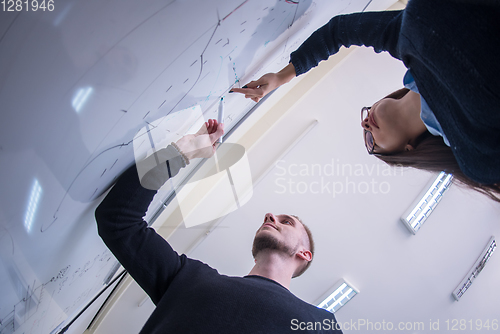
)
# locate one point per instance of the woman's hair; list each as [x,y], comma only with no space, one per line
[432,154]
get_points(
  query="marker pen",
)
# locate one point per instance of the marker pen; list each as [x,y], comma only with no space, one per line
[220,116]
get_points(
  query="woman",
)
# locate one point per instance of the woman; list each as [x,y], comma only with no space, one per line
[447,118]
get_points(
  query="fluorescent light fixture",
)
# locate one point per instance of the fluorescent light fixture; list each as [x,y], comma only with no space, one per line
[475,270]
[429,199]
[36,192]
[81,98]
[342,293]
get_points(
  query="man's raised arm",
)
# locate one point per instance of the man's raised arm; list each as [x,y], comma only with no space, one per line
[148,258]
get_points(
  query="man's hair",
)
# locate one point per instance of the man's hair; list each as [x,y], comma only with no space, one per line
[311,248]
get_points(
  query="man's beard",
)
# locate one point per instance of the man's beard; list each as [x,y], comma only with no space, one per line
[270,243]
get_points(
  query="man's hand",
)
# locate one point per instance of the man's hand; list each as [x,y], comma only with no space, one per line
[256,90]
[203,143]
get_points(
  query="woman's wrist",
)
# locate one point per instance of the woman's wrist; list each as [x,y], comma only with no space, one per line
[287,73]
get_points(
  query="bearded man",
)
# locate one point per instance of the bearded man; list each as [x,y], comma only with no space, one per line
[190,296]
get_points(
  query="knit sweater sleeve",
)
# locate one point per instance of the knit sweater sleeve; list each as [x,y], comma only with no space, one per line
[147,257]
[377,29]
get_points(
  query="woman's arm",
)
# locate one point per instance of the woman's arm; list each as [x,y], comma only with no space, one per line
[379,30]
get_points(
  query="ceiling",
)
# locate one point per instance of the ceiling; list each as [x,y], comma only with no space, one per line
[295,141]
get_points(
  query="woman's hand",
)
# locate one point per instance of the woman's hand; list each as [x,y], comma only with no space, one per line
[256,90]
[203,143]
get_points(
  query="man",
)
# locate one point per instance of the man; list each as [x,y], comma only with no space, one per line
[190,296]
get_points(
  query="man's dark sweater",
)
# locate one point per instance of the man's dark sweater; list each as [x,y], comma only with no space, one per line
[190,296]
[451,48]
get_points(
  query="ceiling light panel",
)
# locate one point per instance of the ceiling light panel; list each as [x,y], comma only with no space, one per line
[475,270]
[342,293]
[426,202]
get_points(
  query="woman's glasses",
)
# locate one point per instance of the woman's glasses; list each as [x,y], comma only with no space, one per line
[369,142]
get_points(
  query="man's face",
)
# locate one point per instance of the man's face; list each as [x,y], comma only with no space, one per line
[282,233]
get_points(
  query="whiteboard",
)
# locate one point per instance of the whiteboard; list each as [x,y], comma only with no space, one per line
[77,84]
